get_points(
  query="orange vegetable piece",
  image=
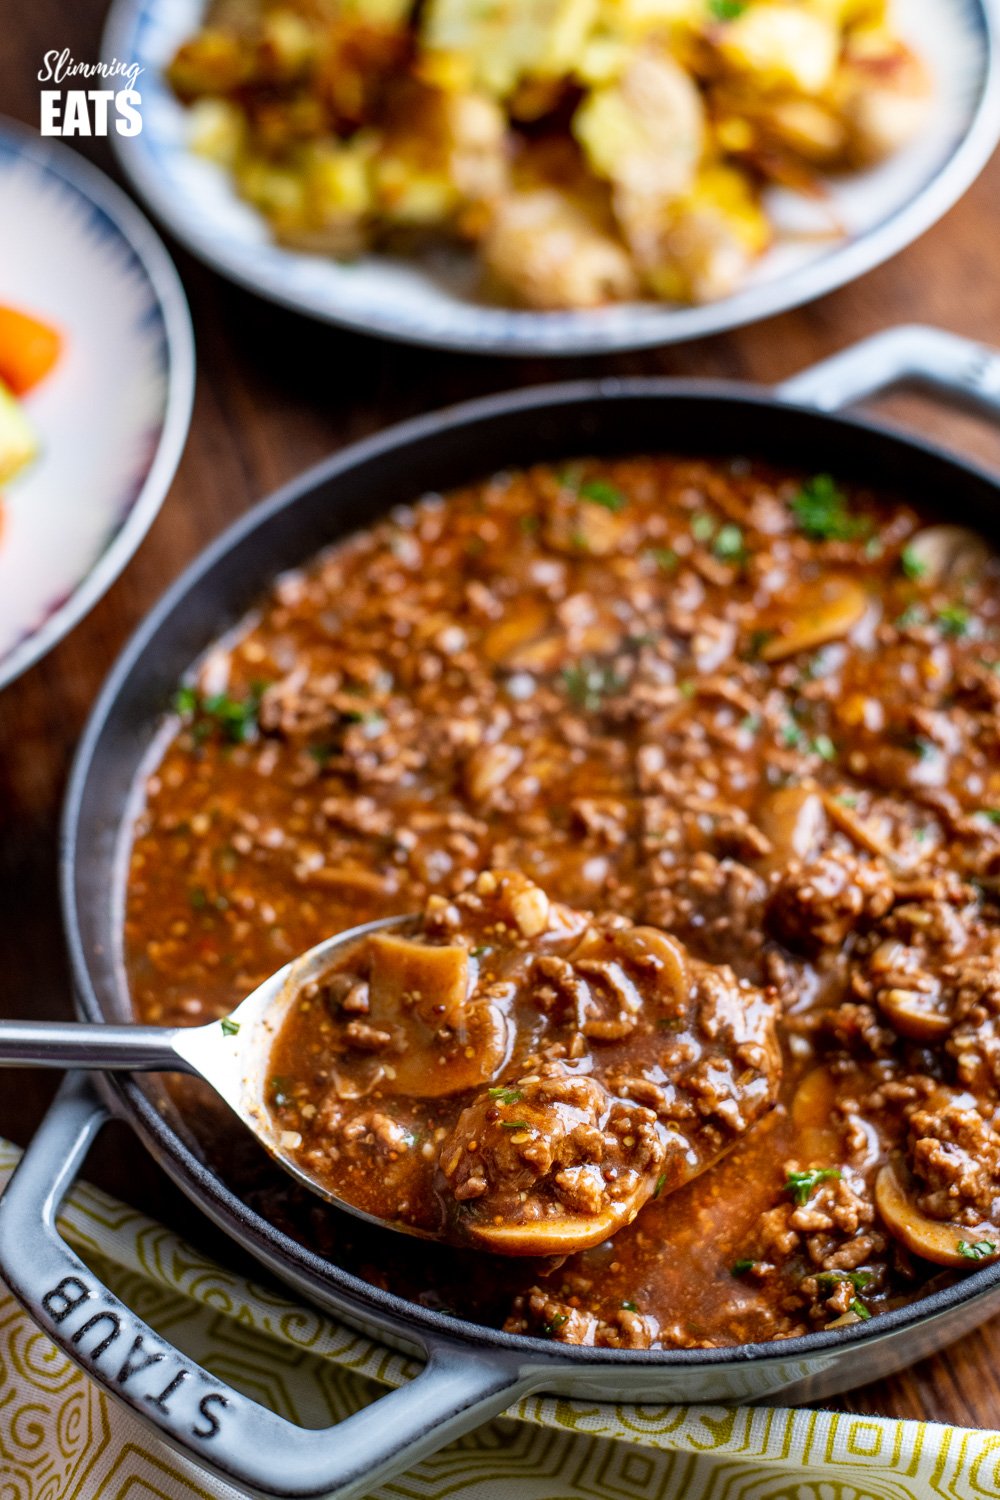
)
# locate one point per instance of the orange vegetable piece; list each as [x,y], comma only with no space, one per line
[28,350]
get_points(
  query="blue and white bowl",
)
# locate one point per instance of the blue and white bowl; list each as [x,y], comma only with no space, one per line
[433,300]
[112,416]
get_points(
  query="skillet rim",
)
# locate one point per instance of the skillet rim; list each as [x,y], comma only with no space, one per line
[269,1245]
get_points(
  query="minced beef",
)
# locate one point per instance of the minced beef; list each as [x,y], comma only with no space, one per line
[758,709]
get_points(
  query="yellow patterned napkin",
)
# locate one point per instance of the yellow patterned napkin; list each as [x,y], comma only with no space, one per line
[61,1438]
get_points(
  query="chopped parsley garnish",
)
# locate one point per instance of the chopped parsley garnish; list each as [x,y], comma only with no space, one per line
[741,1266]
[751,723]
[976,1249]
[823,746]
[587,684]
[728,545]
[661,1183]
[506,1096]
[321,754]
[991,813]
[235,718]
[557,1321]
[954,620]
[801,1185]
[664,557]
[758,640]
[859,1309]
[821,512]
[922,748]
[579,540]
[599,492]
[513,1124]
[702,527]
[816,667]
[858,1279]
[279,1091]
[726,10]
[912,563]
[791,735]
[229,1026]
[913,614]
[480,950]
[630,1307]
[201,901]
[529,524]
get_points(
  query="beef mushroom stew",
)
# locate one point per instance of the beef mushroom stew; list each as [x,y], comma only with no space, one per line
[758,712]
[515,1076]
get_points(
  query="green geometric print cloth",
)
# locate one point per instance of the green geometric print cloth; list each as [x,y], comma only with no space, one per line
[61,1438]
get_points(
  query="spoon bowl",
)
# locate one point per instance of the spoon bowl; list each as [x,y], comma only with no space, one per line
[230,1054]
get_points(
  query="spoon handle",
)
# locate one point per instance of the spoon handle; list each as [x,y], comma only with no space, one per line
[64,1044]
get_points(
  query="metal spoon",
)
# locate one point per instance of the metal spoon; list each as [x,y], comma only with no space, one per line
[230,1054]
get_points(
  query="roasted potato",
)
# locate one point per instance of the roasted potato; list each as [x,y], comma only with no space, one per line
[494,47]
[544,249]
[591,150]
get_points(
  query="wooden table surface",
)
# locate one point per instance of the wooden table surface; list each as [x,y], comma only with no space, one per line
[276,393]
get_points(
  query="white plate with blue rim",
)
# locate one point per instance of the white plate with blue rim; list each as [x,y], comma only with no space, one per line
[112,416]
[433,301]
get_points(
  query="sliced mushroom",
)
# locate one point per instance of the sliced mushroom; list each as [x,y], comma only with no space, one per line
[948,554]
[526,640]
[908,994]
[914,1015]
[519,628]
[659,957]
[441,1043]
[932,1239]
[857,829]
[488,767]
[821,611]
[564,1235]
[431,981]
[550,651]
[792,818]
[817,1137]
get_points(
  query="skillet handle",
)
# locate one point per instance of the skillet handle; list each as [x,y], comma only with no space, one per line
[966,370]
[215,1425]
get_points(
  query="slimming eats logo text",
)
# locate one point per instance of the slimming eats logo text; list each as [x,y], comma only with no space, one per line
[89,111]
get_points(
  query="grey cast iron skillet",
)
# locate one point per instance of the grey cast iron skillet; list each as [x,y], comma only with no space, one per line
[471,1373]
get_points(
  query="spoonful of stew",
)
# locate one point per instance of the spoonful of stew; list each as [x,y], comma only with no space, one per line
[499,1071]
